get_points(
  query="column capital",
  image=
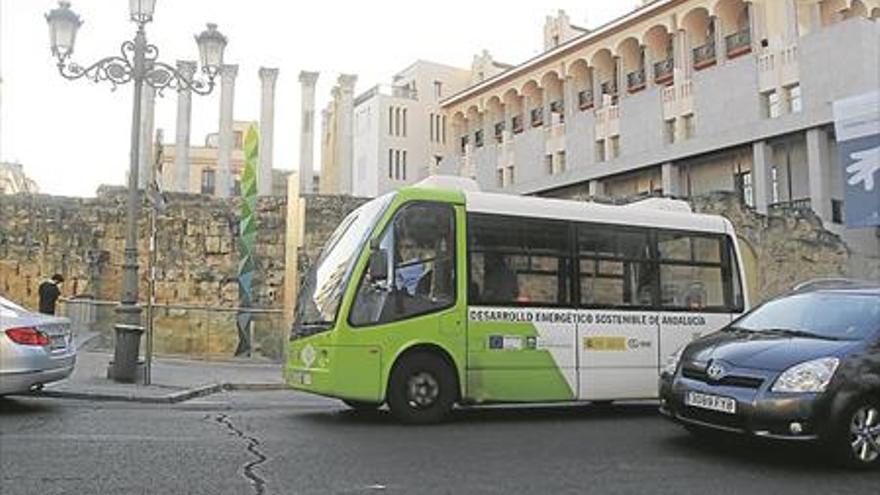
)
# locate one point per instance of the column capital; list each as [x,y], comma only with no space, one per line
[308,78]
[347,81]
[268,75]
[187,68]
[228,72]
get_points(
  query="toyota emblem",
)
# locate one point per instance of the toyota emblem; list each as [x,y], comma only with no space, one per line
[716,371]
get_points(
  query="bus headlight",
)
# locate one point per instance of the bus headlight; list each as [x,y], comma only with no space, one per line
[811,376]
[672,362]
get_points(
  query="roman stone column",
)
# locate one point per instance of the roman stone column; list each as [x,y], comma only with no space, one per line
[267,130]
[324,181]
[307,131]
[224,141]
[181,179]
[145,160]
[345,137]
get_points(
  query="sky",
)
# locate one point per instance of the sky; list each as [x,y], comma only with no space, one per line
[72,136]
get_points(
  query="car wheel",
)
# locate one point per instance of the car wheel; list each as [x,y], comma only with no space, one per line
[361,406]
[422,389]
[858,436]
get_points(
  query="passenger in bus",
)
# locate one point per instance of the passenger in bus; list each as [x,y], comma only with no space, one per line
[499,281]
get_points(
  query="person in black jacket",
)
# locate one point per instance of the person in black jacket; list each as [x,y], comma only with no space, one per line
[49,294]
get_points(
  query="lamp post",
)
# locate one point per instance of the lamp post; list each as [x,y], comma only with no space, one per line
[136,63]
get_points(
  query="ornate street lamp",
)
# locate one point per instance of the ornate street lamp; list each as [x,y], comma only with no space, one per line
[136,63]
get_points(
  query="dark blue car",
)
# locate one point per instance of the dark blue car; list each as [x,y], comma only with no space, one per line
[801,367]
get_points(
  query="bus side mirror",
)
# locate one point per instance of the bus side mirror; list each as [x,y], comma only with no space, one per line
[378,265]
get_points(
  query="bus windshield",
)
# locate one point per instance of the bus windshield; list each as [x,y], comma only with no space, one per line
[325,282]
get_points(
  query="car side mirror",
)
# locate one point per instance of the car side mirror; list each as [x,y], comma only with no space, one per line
[378,265]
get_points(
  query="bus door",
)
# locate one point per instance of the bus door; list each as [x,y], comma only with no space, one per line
[521,332]
[408,293]
[699,288]
[618,341]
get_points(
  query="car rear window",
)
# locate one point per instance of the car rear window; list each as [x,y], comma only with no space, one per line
[826,314]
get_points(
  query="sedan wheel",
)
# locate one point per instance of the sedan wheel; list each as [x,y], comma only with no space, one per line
[857,441]
[865,434]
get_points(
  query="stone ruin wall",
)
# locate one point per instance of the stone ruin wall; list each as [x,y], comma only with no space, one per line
[788,246]
[197,261]
[198,255]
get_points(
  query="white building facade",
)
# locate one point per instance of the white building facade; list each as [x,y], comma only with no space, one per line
[400,132]
[680,98]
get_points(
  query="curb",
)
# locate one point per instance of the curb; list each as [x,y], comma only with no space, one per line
[255,387]
[174,398]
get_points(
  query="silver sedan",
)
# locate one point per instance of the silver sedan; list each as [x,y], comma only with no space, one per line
[35,349]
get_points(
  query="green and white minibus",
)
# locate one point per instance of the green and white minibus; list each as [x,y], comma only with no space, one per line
[439,294]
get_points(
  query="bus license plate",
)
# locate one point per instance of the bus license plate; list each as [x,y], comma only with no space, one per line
[711,402]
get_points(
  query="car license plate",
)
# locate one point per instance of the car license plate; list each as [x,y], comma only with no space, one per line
[711,402]
[58,342]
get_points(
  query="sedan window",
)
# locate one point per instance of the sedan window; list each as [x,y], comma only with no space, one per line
[827,315]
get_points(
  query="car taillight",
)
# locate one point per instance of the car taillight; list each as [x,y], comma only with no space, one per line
[27,336]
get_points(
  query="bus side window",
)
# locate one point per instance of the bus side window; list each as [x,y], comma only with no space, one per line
[615,269]
[692,270]
[421,245]
[518,261]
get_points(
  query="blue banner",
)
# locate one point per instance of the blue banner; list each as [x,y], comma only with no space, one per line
[857,126]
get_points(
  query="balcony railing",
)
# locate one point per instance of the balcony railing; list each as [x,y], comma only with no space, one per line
[739,43]
[478,138]
[194,331]
[704,55]
[516,124]
[804,204]
[406,92]
[499,131]
[585,99]
[635,81]
[557,112]
[609,88]
[537,117]
[664,70]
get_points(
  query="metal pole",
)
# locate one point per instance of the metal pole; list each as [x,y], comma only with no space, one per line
[151,269]
[128,327]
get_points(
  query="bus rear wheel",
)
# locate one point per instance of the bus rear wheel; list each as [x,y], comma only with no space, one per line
[422,389]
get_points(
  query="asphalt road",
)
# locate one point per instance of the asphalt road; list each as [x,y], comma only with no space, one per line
[287,443]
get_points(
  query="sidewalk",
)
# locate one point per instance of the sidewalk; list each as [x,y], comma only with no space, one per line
[173,380]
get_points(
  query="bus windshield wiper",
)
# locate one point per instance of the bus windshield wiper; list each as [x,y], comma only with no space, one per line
[791,332]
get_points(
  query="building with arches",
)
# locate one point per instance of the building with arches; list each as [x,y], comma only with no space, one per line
[680,98]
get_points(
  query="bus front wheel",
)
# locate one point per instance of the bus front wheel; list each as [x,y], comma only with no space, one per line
[422,389]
